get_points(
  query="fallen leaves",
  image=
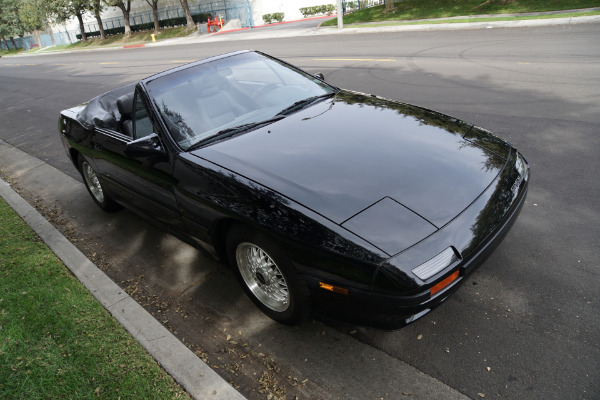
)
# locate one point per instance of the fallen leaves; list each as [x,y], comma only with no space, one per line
[269,384]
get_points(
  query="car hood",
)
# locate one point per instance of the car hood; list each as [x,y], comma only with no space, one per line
[366,163]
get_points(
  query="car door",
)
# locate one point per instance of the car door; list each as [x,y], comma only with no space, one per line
[142,179]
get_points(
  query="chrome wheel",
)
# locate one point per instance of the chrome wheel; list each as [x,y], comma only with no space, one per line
[92,182]
[262,276]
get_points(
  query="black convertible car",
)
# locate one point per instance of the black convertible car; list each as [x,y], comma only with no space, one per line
[322,199]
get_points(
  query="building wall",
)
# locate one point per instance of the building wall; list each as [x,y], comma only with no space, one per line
[259,8]
[291,8]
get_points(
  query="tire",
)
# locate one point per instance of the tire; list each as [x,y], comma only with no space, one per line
[267,276]
[94,187]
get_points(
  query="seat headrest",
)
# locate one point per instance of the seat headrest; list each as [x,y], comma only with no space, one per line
[125,105]
[213,79]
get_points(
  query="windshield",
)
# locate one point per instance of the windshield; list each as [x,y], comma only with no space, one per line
[242,91]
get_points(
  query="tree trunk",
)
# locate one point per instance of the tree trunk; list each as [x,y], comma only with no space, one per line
[37,36]
[5,42]
[99,20]
[127,23]
[188,14]
[389,6]
[12,39]
[66,32]
[81,27]
[155,14]
[126,10]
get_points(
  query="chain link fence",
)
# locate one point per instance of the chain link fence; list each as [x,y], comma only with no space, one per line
[226,9]
[22,43]
[45,40]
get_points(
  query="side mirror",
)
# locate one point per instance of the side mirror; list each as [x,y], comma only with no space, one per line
[320,76]
[147,146]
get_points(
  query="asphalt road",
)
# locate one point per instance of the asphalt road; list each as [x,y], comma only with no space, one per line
[526,324]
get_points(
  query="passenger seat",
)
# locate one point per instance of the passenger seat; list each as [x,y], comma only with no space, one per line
[125,106]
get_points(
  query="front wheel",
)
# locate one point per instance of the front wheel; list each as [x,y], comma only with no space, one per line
[94,187]
[267,276]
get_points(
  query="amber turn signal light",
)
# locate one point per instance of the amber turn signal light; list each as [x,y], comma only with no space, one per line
[444,283]
[334,289]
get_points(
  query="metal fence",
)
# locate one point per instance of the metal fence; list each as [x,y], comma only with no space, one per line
[226,9]
[45,40]
[22,43]
[55,39]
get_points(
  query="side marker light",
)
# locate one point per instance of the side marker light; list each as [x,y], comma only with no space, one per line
[444,283]
[334,289]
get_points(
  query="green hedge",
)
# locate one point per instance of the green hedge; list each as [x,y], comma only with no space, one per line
[327,9]
[163,23]
[275,17]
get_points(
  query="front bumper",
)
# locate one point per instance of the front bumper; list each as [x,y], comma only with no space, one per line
[475,234]
[391,312]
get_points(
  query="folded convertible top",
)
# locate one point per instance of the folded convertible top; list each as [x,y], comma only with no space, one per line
[102,111]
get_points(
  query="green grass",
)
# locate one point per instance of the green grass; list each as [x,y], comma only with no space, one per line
[56,340]
[57,47]
[174,32]
[9,52]
[136,37]
[424,9]
[484,19]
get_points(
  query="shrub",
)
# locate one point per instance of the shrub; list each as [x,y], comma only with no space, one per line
[277,17]
[324,9]
[163,23]
[329,9]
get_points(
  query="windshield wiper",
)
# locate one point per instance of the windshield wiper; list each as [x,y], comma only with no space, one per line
[222,134]
[303,103]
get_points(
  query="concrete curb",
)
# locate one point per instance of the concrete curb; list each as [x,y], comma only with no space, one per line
[273,24]
[295,20]
[197,378]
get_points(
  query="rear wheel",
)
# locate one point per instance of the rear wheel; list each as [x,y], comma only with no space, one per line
[94,187]
[267,276]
